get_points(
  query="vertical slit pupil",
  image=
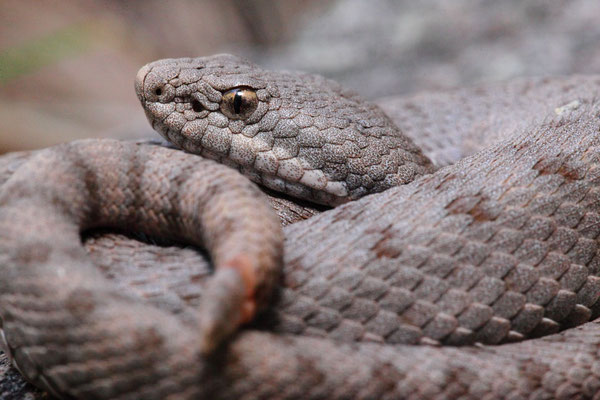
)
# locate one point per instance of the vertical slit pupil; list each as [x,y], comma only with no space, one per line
[237,102]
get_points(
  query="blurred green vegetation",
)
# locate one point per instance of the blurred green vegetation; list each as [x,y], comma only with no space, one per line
[40,52]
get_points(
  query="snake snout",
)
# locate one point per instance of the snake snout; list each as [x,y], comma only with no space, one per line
[152,85]
[139,82]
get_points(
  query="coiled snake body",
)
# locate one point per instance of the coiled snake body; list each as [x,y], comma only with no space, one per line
[499,247]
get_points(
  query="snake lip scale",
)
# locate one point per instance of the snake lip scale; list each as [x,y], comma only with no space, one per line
[495,256]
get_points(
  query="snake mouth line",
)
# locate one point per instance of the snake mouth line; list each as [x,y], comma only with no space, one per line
[269,180]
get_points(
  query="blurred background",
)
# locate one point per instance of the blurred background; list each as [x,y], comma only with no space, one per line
[67,67]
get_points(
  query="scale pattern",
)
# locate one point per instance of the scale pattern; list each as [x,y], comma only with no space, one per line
[66,327]
[498,247]
[308,137]
[453,124]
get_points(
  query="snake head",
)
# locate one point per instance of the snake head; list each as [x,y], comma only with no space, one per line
[292,132]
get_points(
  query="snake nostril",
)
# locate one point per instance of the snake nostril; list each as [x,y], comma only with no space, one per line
[197,106]
[158,91]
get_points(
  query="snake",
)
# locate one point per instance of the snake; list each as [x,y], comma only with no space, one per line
[477,279]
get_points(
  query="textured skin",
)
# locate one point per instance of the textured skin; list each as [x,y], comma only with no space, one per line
[498,247]
[87,184]
[308,137]
[451,125]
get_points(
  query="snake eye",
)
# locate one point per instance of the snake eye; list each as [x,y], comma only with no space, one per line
[239,103]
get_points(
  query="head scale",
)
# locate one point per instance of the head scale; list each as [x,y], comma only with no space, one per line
[295,133]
